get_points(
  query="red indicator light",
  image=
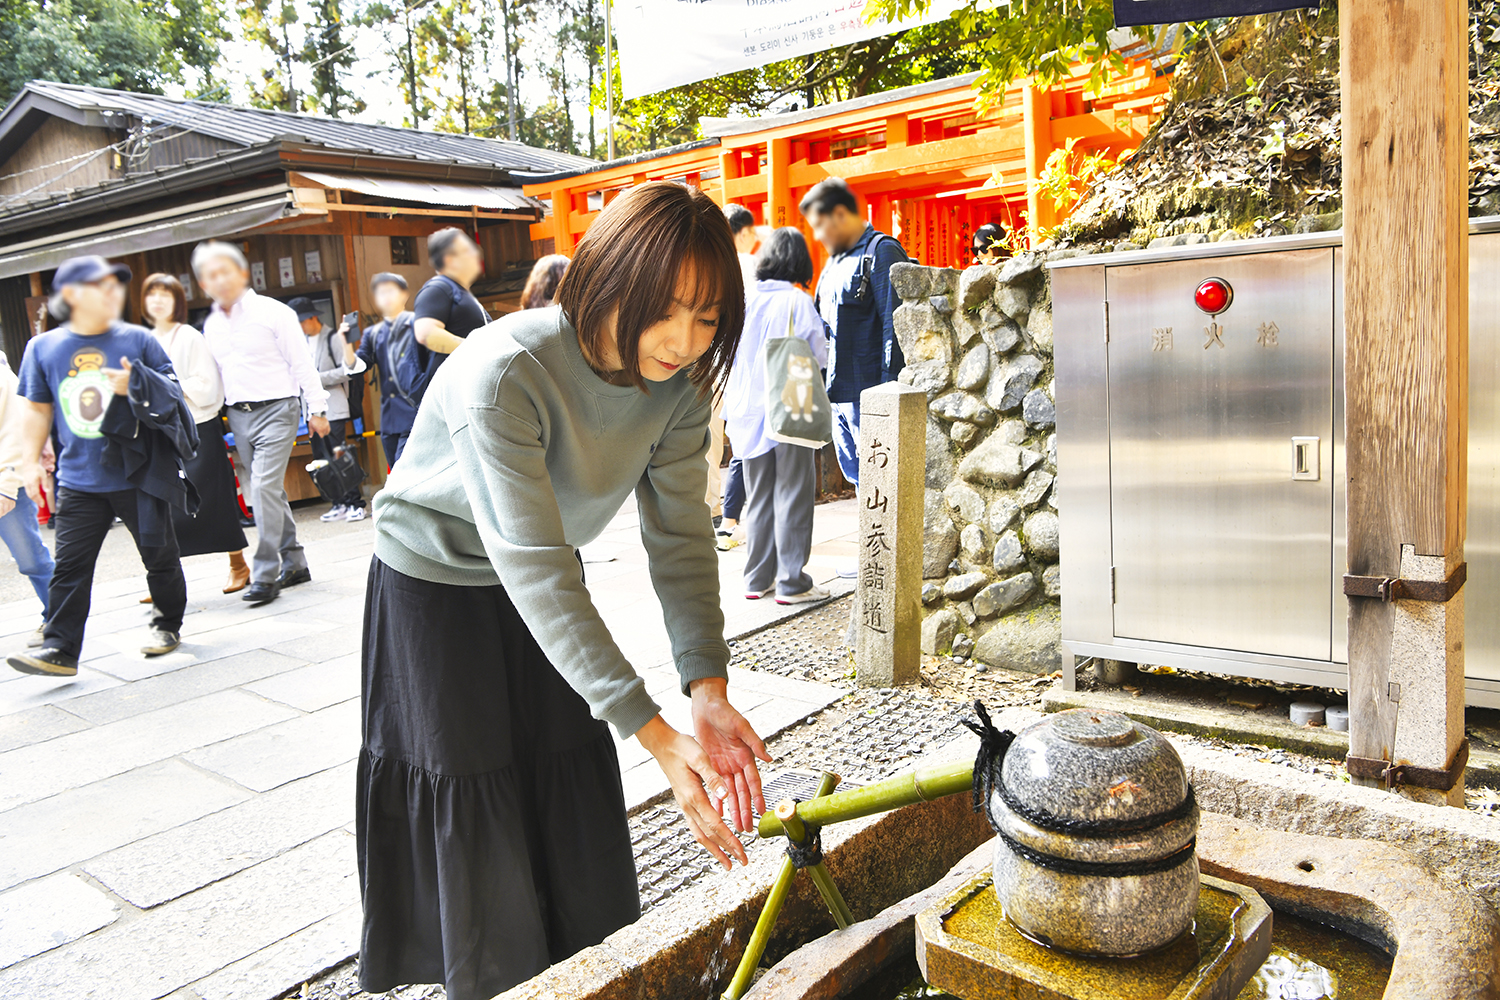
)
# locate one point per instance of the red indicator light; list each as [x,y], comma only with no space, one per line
[1213,295]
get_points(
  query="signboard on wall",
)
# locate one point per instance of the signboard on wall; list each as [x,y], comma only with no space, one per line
[1133,12]
[666,43]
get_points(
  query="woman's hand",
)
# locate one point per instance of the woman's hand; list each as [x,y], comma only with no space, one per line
[732,747]
[688,770]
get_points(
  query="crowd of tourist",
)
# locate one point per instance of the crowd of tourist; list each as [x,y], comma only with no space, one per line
[848,326]
[491,828]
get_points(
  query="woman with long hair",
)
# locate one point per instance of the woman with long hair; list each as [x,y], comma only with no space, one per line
[541,284]
[491,828]
[779,487]
[216,526]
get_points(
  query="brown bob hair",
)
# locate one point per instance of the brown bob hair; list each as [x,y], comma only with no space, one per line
[541,284]
[630,260]
[171,284]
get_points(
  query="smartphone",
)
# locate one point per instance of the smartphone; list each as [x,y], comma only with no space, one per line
[351,321]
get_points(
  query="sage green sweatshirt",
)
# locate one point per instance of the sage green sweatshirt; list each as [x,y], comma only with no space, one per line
[519,455]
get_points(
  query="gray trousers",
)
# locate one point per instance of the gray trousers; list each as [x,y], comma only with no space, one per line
[264,439]
[779,519]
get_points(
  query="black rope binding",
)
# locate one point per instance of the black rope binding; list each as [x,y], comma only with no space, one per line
[1100,869]
[809,852]
[994,744]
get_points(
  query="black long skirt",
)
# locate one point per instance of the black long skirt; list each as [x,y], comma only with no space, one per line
[490,817]
[216,526]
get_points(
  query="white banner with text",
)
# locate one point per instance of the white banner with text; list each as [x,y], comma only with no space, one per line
[666,43]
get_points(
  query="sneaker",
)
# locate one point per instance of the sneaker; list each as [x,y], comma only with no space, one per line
[38,637]
[162,641]
[335,513]
[724,540]
[355,514]
[848,571]
[755,595]
[47,662]
[806,597]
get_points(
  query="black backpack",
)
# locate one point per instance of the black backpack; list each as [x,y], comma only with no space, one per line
[408,369]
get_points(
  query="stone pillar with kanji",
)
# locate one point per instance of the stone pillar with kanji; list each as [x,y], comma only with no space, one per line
[892,463]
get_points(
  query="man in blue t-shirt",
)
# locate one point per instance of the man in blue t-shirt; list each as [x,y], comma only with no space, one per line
[69,376]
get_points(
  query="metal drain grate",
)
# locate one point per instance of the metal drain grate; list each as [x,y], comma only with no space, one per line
[799,785]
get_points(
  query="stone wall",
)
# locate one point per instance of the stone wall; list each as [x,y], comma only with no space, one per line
[979,342]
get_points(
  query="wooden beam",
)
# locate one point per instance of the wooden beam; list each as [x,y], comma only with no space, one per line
[464,212]
[1405,143]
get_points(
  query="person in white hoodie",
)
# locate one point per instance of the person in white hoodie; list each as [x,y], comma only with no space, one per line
[779,477]
[18,524]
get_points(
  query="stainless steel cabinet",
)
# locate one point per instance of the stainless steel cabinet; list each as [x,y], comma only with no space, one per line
[1201,467]
[1220,447]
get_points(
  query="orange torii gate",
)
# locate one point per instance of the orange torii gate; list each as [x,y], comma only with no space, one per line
[930,164]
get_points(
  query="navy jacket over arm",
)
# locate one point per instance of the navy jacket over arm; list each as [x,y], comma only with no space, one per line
[151,434]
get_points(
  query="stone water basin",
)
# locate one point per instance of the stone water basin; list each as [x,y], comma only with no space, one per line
[967,946]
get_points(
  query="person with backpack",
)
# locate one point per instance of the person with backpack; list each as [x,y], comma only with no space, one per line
[390,346]
[446,310]
[778,475]
[335,361]
[857,303]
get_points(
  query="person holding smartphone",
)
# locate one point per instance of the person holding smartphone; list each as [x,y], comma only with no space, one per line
[490,818]
[336,363]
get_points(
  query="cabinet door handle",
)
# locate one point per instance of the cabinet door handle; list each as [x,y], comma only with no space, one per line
[1307,459]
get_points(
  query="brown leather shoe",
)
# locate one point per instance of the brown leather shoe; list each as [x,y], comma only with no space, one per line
[239,574]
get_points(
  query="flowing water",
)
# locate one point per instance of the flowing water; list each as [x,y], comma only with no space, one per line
[1312,962]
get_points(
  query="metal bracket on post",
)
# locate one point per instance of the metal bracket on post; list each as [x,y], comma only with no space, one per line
[1388,589]
[1441,779]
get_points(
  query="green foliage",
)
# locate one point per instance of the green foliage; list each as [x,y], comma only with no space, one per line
[1040,38]
[328,51]
[130,44]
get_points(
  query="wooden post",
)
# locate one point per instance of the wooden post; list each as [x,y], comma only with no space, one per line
[562,220]
[1405,143]
[779,209]
[1036,114]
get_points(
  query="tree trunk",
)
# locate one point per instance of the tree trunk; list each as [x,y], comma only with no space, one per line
[593,58]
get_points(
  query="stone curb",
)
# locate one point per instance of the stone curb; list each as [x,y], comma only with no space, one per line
[1445,943]
[1318,741]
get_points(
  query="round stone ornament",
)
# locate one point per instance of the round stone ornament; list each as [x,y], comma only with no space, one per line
[1096,829]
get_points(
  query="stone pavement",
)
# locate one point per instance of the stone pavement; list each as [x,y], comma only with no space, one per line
[183,826]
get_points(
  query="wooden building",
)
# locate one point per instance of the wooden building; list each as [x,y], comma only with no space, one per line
[318,205]
[931,165]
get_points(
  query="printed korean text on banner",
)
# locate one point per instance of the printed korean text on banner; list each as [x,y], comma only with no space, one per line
[707,38]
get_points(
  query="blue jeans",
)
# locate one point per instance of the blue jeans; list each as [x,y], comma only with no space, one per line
[20,533]
[846,439]
[734,489]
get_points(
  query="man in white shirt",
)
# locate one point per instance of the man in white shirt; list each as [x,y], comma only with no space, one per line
[259,347]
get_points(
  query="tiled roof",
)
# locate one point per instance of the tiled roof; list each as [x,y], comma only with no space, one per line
[254,126]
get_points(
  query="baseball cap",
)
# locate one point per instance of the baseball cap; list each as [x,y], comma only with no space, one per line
[388,277]
[84,270]
[303,307]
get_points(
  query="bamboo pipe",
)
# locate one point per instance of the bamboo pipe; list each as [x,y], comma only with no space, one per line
[761,935]
[796,832]
[924,784]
